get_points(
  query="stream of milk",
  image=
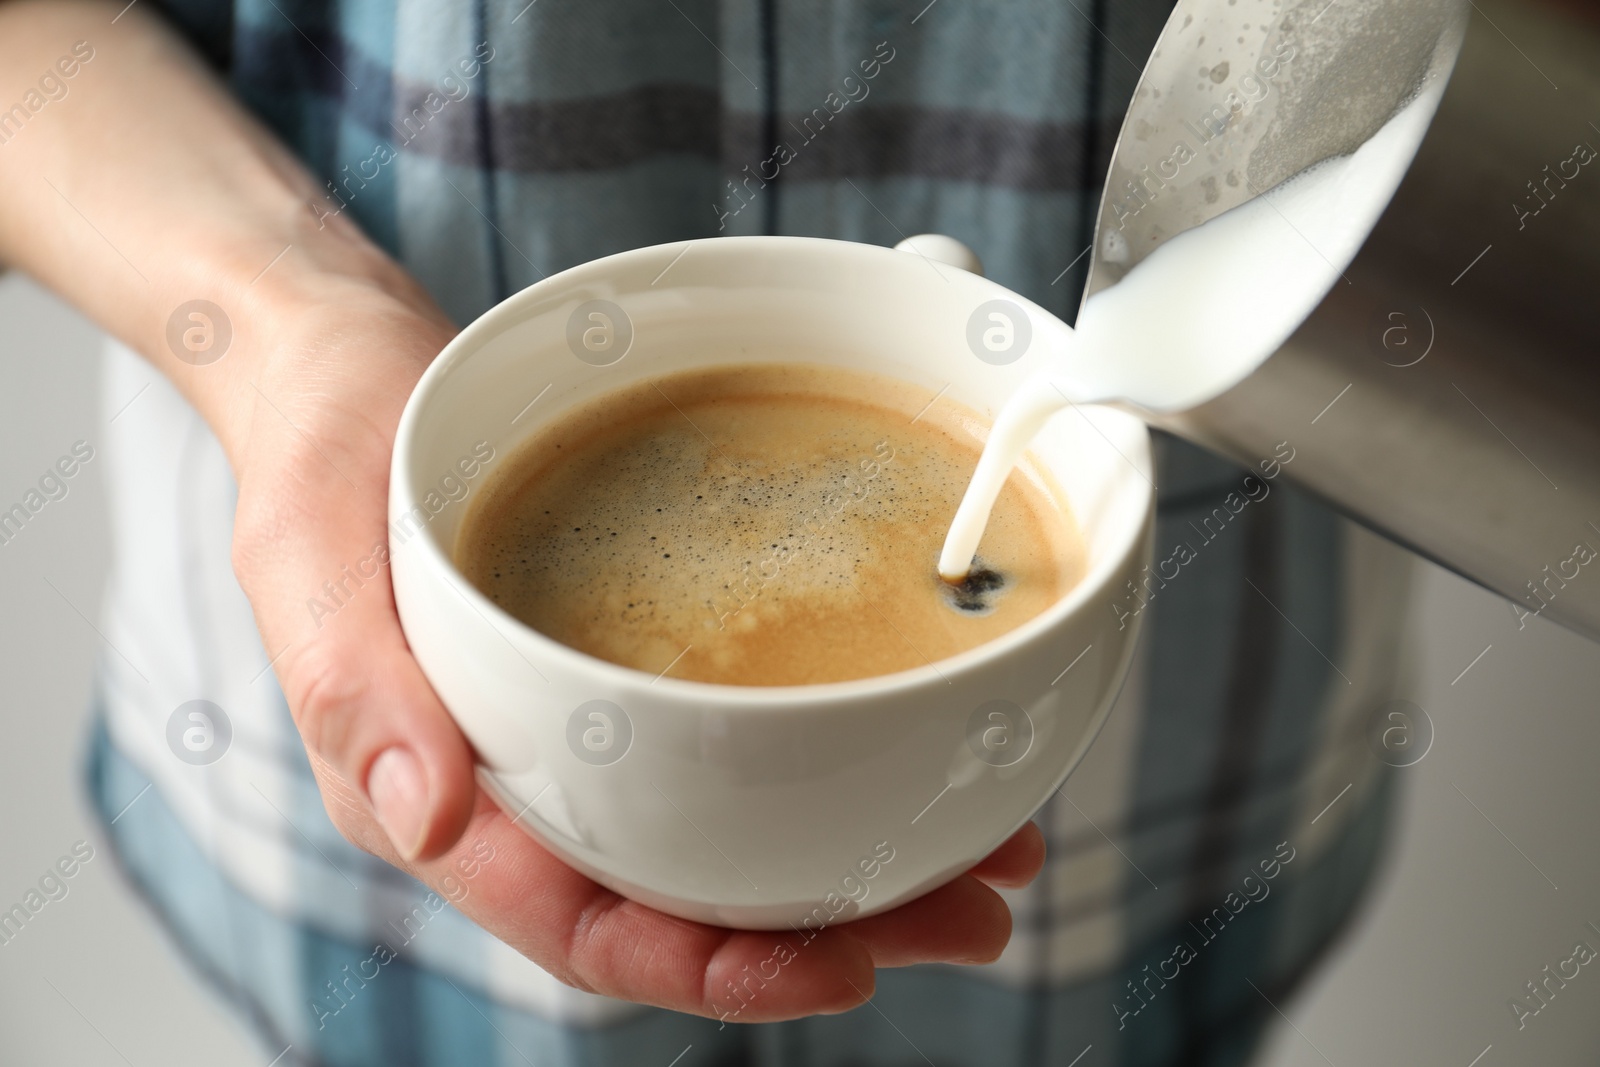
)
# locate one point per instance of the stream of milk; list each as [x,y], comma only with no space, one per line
[1204,310]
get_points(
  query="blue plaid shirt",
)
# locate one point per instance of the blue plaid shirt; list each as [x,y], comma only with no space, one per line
[487,145]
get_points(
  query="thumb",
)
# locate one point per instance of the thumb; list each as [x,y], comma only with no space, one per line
[311,552]
[364,708]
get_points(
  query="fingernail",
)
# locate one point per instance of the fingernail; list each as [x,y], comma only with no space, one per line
[398,789]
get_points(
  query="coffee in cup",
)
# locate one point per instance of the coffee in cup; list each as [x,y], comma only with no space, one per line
[763,524]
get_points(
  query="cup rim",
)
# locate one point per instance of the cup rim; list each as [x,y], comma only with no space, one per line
[721,696]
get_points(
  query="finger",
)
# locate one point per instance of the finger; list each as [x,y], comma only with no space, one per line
[367,712]
[311,550]
[594,939]
[1015,863]
[963,921]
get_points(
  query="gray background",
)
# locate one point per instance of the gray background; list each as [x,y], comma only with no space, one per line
[1459,919]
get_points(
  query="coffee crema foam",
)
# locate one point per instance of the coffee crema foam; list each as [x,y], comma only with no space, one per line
[772,524]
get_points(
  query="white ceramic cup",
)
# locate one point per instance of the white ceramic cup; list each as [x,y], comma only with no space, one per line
[762,807]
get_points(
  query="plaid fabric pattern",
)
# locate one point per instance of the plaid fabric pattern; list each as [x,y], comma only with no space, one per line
[487,145]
